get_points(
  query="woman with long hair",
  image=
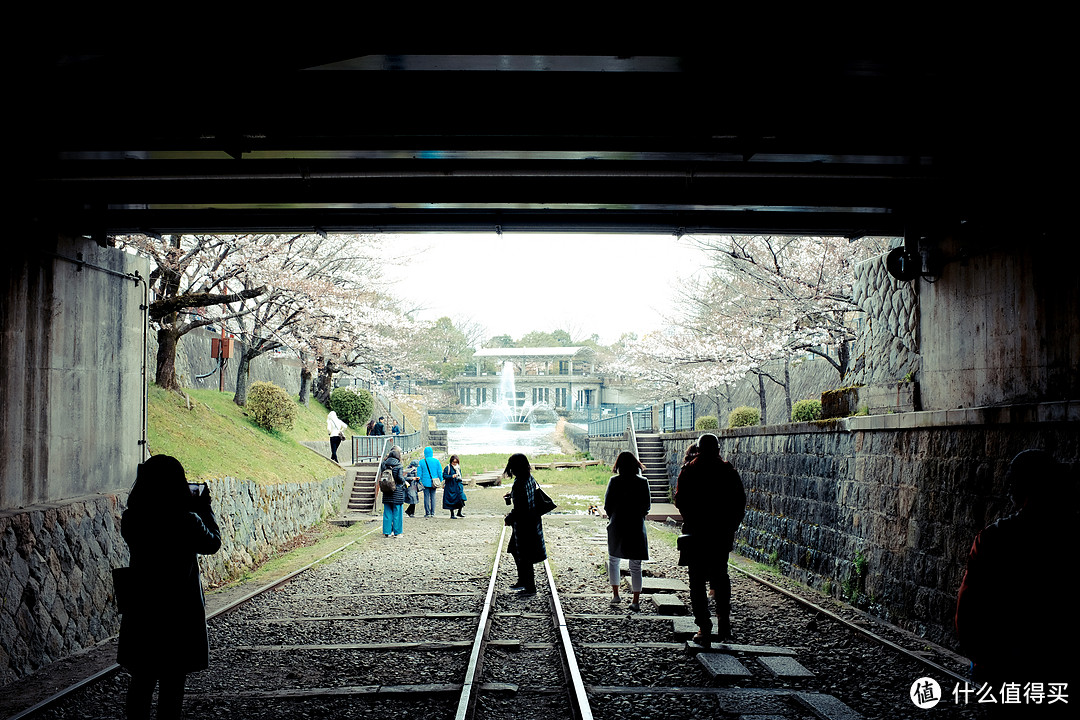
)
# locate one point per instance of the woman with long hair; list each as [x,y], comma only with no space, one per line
[527,539]
[627,502]
[167,524]
[453,494]
[709,493]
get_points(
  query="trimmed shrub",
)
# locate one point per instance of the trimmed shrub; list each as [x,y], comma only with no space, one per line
[707,422]
[270,406]
[743,416]
[806,410]
[352,405]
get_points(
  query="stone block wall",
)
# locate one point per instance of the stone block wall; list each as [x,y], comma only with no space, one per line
[56,561]
[257,519]
[56,578]
[883,509]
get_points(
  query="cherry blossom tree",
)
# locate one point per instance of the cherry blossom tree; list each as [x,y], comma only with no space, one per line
[761,300]
[306,275]
[800,288]
[193,280]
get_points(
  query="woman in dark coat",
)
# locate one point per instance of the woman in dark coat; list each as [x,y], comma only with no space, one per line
[527,540]
[393,501]
[453,494]
[163,626]
[626,503]
[709,493]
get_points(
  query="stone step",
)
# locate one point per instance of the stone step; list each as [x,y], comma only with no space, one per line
[785,667]
[721,665]
[667,604]
[662,585]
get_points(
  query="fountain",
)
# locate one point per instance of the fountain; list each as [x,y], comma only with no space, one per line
[514,418]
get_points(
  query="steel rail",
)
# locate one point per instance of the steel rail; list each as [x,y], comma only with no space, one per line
[853,626]
[579,697]
[467,701]
[109,670]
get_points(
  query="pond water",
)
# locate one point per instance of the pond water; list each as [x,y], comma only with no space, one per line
[478,439]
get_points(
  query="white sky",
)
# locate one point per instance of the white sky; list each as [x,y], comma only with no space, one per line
[515,283]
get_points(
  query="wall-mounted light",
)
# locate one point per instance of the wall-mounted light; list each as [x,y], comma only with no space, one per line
[917,257]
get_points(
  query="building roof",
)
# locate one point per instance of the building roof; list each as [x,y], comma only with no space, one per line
[530,352]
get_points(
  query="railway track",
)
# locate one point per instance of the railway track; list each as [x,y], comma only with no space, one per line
[426,627]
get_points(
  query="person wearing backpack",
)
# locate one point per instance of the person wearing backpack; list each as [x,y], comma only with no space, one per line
[393,499]
[429,473]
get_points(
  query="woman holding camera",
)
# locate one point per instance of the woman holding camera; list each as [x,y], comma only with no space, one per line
[167,524]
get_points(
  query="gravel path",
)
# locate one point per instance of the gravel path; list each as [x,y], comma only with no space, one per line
[429,587]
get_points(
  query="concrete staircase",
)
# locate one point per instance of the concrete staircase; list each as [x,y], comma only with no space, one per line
[651,455]
[361,498]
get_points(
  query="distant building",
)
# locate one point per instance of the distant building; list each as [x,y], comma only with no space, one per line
[563,378]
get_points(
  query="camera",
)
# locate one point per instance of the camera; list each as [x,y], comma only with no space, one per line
[198,489]
[508,497]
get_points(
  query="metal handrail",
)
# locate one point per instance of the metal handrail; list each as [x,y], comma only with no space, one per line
[633,435]
[368,447]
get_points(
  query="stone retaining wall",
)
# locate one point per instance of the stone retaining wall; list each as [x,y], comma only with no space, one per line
[607,449]
[56,577]
[881,511]
[256,519]
[56,561]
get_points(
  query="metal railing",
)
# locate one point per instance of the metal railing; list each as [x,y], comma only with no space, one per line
[677,416]
[375,447]
[616,425]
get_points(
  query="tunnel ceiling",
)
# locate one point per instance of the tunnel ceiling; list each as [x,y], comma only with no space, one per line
[644,139]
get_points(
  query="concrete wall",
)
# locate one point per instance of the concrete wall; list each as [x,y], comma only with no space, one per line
[56,561]
[905,492]
[193,359]
[1001,327]
[71,371]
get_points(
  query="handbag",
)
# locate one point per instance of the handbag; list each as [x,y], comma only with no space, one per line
[543,503]
[686,546]
[125,588]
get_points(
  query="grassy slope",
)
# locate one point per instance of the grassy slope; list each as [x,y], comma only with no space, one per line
[214,438]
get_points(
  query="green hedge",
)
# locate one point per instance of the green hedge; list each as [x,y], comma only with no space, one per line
[707,422]
[352,405]
[270,406]
[743,416]
[806,410]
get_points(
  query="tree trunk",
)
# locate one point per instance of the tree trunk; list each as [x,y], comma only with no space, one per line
[324,384]
[243,372]
[165,376]
[843,358]
[787,385]
[305,383]
[761,395]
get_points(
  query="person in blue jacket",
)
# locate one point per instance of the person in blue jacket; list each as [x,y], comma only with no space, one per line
[429,473]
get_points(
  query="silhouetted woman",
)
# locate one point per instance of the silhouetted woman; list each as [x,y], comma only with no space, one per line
[627,502]
[710,495]
[163,626]
[527,540]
